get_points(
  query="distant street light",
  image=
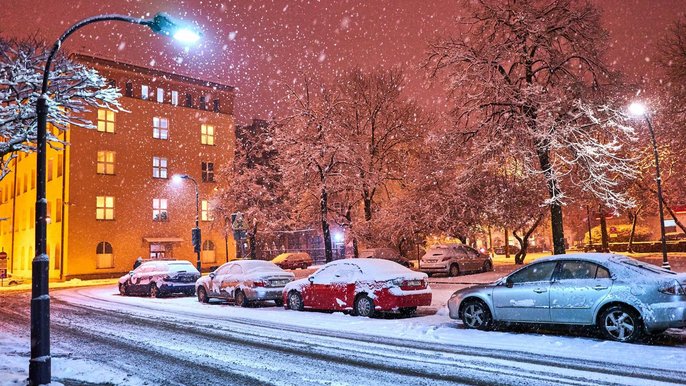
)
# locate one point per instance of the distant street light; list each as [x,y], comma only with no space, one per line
[639,110]
[40,363]
[196,236]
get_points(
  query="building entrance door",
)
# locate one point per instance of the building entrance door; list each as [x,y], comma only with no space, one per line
[161,251]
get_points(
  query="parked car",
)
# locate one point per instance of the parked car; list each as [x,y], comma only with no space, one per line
[454,259]
[385,254]
[293,260]
[244,281]
[623,297]
[160,277]
[11,280]
[361,286]
[511,249]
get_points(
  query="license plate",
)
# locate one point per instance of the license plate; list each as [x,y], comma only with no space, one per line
[431,261]
[278,283]
[414,283]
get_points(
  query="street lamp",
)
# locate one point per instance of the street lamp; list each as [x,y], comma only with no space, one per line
[639,110]
[196,237]
[39,365]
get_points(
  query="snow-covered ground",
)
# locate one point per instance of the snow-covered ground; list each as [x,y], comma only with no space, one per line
[270,345]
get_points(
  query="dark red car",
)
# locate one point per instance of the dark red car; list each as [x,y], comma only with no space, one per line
[360,286]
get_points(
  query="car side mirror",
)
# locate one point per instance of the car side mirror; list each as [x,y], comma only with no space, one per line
[310,279]
[212,275]
[131,273]
[509,283]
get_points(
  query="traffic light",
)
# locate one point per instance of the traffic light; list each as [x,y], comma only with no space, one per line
[197,239]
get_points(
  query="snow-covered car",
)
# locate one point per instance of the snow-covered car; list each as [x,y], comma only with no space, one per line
[454,259]
[293,260]
[623,297]
[11,280]
[361,286]
[160,277]
[384,253]
[244,281]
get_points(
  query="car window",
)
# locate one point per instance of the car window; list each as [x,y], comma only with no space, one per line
[471,252]
[534,273]
[235,269]
[346,274]
[334,273]
[602,273]
[223,270]
[579,270]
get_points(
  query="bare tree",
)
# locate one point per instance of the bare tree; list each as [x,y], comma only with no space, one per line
[528,80]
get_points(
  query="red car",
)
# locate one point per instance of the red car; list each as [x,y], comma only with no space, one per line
[361,286]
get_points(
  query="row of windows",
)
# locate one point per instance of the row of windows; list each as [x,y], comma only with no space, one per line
[105,205]
[29,220]
[160,166]
[203,100]
[107,121]
[27,182]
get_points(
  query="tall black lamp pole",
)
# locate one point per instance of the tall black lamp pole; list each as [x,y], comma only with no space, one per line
[40,363]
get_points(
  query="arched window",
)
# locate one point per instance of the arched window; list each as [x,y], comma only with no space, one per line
[208,255]
[104,256]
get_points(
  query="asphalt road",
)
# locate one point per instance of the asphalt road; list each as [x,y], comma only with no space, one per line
[192,348]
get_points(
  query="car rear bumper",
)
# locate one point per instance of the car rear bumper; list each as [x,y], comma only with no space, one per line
[666,315]
[264,293]
[397,298]
[169,288]
[434,268]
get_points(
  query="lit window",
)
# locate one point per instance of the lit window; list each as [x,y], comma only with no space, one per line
[60,165]
[207,134]
[160,95]
[106,119]
[144,91]
[159,167]
[159,209]
[175,98]
[104,256]
[160,128]
[58,210]
[105,162]
[207,172]
[104,208]
[50,169]
[206,211]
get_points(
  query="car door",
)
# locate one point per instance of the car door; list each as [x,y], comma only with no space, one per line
[215,282]
[341,292]
[139,283]
[524,296]
[473,261]
[576,288]
[231,280]
[320,295]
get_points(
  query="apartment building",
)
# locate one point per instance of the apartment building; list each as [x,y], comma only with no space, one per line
[111,195]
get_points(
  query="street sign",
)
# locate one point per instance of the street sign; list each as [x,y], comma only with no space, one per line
[237,221]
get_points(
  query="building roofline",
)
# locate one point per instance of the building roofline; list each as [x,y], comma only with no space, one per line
[150,71]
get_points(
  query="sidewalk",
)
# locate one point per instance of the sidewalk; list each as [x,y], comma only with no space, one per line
[26,286]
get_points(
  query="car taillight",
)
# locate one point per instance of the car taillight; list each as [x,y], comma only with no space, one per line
[673,288]
[257,284]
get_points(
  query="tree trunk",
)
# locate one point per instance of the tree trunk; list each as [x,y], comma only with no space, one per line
[634,220]
[507,245]
[328,251]
[524,241]
[252,240]
[553,191]
[490,241]
[348,216]
[603,230]
[367,205]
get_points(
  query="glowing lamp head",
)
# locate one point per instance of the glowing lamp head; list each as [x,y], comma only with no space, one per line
[338,237]
[637,109]
[176,178]
[164,24]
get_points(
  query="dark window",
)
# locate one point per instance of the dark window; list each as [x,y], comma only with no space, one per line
[534,273]
[112,83]
[207,172]
[215,107]
[189,100]
[202,103]
[103,248]
[129,90]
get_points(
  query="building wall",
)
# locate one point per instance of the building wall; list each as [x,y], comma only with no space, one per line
[74,234]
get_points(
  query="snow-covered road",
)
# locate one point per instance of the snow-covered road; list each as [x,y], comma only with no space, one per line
[180,341]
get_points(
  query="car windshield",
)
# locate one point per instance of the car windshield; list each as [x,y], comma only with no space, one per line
[646,266]
[181,267]
[259,265]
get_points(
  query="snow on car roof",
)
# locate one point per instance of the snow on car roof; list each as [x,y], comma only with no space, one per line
[372,266]
[255,265]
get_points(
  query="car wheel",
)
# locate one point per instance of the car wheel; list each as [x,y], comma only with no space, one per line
[488,267]
[122,289]
[154,291]
[241,300]
[408,311]
[475,314]
[364,306]
[454,270]
[621,324]
[295,301]
[278,302]
[202,295]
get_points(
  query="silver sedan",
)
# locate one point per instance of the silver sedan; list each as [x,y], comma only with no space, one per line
[624,297]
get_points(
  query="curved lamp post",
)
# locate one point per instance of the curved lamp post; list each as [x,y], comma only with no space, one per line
[639,110]
[196,237]
[39,365]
